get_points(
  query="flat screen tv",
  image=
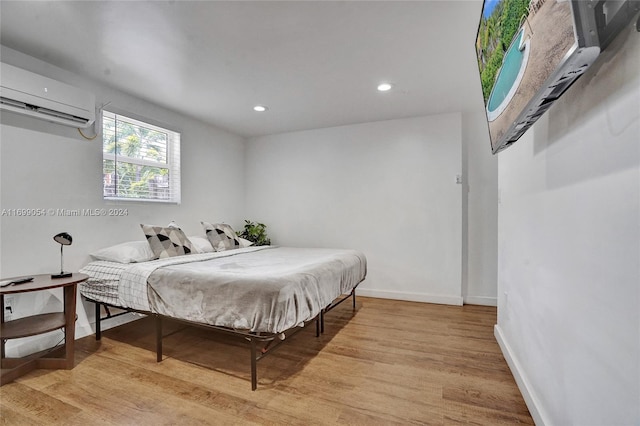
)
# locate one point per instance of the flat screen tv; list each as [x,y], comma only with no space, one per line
[530,51]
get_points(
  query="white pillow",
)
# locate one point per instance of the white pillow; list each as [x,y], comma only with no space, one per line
[130,252]
[201,244]
[244,242]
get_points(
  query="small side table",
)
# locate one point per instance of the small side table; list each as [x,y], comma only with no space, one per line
[12,368]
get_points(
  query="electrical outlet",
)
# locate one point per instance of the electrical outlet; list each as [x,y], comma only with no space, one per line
[8,307]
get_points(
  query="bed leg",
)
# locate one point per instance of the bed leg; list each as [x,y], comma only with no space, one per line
[254,373]
[158,338]
[353,294]
[322,321]
[98,329]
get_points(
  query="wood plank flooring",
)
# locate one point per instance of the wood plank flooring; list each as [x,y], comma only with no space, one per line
[390,362]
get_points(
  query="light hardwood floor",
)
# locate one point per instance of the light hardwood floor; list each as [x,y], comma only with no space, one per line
[390,362]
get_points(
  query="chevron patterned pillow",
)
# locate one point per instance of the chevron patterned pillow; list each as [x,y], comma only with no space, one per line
[167,241]
[221,236]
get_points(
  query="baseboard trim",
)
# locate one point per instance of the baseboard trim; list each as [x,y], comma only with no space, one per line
[533,404]
[481,300]
[107,323]
[411,297]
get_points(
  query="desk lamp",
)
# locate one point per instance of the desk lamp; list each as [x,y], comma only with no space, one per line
[65,240]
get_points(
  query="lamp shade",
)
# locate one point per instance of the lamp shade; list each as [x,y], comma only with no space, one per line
[63,238]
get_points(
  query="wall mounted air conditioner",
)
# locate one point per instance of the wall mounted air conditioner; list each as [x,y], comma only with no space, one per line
[32,94]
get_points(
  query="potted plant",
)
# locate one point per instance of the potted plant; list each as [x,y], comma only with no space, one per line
[256,233]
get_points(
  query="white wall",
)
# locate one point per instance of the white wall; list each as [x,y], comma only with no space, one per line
[569,249]
[44,165]
[386,188]
[479,211]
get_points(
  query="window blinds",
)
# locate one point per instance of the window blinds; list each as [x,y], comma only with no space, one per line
[140,161]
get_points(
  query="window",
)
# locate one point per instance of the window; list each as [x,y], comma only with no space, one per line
[140,161]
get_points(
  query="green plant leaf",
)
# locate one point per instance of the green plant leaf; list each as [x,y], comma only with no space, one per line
[255,232]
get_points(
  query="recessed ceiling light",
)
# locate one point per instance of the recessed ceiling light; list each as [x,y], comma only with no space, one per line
[260,108]
[384,87]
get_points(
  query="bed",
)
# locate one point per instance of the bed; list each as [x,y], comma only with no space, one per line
[262,294]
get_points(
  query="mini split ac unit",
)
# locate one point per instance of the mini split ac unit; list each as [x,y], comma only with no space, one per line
[32,94]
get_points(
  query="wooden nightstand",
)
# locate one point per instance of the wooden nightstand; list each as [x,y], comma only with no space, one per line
[13,368]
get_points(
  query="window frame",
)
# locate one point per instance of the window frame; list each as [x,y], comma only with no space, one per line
[172,158]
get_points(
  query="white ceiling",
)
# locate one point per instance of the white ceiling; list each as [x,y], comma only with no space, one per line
[313,63]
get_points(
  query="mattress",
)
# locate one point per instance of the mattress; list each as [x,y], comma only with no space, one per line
[261,289]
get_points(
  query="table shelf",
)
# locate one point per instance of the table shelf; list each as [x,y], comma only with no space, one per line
[12,368]
[33,325]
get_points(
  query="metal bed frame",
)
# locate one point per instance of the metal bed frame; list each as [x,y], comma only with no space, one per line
[268,341]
